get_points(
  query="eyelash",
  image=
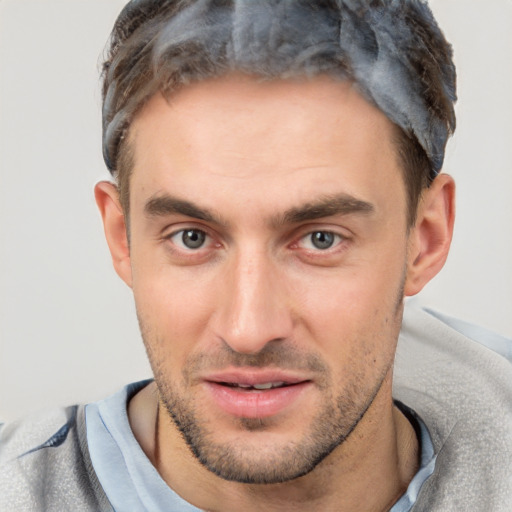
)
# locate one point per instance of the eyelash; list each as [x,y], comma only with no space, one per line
[337,240]
[182,232]
[176,239]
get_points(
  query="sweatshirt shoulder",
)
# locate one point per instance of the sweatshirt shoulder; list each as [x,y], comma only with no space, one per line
[42,429]
[44,463]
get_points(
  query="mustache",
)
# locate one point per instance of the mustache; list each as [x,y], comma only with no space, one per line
[275,354]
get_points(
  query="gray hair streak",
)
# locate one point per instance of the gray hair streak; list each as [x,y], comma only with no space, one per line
[392,50]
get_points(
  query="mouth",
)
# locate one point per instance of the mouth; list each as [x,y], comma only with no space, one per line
[255,395]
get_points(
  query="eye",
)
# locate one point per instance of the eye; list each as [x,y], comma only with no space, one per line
[189,239]
[320,240]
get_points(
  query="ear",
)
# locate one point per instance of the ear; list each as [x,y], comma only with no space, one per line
[431,236]
[107,199]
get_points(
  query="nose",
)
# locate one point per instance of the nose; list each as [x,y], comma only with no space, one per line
[253,308]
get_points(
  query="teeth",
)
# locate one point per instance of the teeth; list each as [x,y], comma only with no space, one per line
[268,385]
[260,387]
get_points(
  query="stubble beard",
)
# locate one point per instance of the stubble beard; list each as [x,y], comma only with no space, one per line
[234,461]
[258,463]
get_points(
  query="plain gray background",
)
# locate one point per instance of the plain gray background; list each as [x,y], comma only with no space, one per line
[68,331]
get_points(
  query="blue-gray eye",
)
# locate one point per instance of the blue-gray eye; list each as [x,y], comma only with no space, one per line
[322,239]
[193,238]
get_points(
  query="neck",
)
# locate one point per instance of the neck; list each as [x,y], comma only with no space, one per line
[381,454]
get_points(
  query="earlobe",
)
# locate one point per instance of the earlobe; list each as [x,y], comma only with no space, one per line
[107,199]
[430,238]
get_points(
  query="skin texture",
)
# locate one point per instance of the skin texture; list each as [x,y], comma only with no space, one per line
[257,168]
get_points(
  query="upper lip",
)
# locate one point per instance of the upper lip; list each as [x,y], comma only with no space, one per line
[251,377]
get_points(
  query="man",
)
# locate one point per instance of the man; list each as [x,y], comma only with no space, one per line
[277,194]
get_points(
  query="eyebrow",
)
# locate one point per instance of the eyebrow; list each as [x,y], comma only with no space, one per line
[327,206]
[167,205]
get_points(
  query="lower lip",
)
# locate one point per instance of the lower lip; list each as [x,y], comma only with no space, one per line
[255,404]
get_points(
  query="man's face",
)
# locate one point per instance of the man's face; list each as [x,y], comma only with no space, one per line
[268,257]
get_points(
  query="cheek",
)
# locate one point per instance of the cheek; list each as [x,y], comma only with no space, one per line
[173,307]
[354,314]
[351,294]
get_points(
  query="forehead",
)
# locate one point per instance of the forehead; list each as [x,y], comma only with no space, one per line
[244,134]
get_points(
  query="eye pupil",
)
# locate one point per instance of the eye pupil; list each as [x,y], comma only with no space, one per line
[193,238]
[322,239]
